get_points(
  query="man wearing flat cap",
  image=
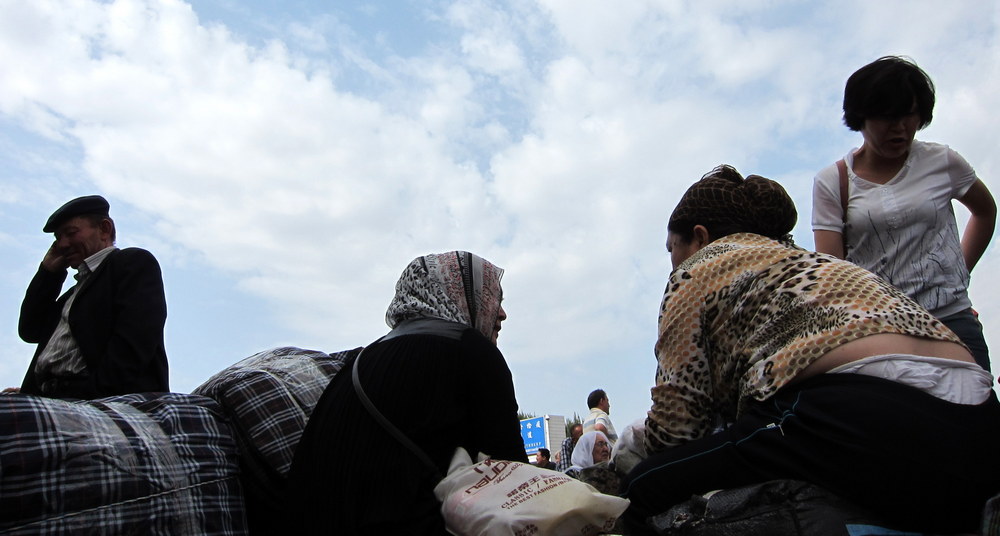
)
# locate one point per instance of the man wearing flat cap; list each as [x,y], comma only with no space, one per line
[104,336]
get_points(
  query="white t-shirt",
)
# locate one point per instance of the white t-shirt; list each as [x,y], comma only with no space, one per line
[904,230]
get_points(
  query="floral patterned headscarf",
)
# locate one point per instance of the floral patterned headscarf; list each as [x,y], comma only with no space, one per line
[456,286]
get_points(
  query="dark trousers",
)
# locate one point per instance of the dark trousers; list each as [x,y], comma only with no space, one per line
[968,328]
[921,462]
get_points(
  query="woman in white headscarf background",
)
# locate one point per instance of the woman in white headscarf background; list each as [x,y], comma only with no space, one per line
[439,378]
[591,462]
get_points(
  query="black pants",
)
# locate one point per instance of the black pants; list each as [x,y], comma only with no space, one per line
[923,463]
[968,328]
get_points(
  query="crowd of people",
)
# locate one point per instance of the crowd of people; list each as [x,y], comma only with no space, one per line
[860,367]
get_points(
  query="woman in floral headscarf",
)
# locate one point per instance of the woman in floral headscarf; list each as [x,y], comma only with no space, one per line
[439,378]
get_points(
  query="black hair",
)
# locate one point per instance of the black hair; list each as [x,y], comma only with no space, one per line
[595,398]
[725,203]
[890,86]
[684,229]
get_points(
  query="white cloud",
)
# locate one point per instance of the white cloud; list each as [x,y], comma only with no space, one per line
[488,43]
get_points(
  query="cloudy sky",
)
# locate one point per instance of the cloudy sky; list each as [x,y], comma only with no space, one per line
[284,160]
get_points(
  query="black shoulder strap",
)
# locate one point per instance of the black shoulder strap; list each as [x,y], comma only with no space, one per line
[388,426]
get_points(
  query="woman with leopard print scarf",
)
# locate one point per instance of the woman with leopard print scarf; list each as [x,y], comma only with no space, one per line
[818,370]
[439,378]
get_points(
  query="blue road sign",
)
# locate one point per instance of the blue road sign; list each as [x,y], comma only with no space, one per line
[533,434]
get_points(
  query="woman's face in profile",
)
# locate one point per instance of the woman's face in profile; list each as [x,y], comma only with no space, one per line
[602,451]
[501,316]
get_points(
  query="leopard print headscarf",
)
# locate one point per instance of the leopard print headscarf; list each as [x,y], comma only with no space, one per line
[754,205]
[456,286]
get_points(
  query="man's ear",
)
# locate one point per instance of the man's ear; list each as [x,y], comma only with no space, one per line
[106,227]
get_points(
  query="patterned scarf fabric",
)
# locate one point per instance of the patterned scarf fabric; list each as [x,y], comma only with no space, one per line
[456,286]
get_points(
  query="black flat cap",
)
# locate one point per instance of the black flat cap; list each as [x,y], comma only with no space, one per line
[89,204]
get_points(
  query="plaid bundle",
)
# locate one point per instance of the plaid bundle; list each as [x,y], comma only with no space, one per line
[268,397]
[154,463]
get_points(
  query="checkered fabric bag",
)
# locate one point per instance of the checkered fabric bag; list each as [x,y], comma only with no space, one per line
[154,463]
[268,397]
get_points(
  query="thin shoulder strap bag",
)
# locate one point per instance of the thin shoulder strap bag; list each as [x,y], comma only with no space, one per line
[388,426]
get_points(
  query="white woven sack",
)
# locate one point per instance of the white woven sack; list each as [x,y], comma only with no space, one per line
[494,498]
